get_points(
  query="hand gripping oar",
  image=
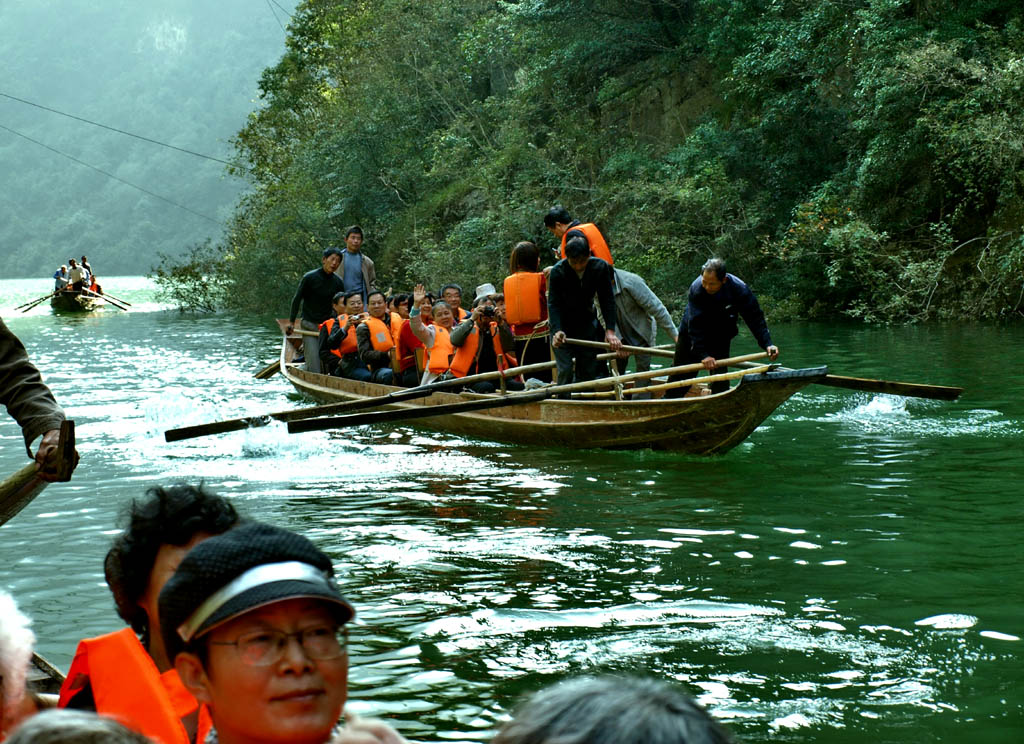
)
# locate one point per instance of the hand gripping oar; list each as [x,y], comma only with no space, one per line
[297,414]
[29,305]
[18,491]
[428,411]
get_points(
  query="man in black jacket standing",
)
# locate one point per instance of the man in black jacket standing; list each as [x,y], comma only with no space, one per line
[315,293]
[572,286]
[709,325]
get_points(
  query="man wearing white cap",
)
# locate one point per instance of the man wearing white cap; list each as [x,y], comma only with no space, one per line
[484,343]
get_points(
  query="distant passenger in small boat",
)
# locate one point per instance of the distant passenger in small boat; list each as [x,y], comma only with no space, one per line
[638,313]
[85,265]
[60,278]
[612,710]
[484,343]
[436,337]
[74,727]
[331,358]
[409,375]
[560,223]
[116,673]
[315,294]
[526,307]
[574,284]
[716,299]
[257,627]
[76,275]
[375,339]
[452,295]
[16,643]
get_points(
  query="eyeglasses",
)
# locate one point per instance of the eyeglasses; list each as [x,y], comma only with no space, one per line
[266,647]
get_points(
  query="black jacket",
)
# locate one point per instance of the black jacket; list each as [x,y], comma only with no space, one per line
[710,319]
[571,298]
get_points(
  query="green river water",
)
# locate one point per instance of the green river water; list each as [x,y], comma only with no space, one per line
[850,573]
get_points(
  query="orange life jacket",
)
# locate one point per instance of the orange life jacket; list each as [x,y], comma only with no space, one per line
[349,345]
[127,686]
[441,352]
[380,335]
[524,298]
[396,326]
[465,355]
[598,246]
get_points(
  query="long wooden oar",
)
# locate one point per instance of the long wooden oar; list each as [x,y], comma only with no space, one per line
[649,350]
[889,387]
[336,422]
[118,299]
[90,293]
[296,414]
[29,305]
[18,491]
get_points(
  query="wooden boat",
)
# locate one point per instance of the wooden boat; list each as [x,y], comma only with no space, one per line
[702,425]
[43,677]
[70,301]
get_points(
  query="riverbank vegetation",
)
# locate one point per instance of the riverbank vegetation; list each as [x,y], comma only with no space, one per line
[858,158]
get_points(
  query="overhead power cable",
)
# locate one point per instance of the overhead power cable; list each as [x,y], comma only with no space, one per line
[121,131]
[111,175]
[283,9]
[275,15]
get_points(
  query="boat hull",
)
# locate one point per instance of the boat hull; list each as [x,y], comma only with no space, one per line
[70,301]
[701,425]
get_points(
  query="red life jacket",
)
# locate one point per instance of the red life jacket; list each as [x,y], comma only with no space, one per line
[525,304]
[465,355]
[407,345]
[598,246]
[441,352]
[380,335]
[349,345]
[127,686]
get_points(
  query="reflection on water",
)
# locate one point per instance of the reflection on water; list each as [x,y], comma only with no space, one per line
[850,573]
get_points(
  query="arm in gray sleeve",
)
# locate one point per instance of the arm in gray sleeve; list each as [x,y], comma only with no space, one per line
[649,301]
[23,391]
[461,332]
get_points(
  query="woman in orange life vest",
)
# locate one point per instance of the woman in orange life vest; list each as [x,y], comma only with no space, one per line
[561,224]
[526,305]
[436,338]
[409,376]
[131,677]
[375,339]
[483,343]
[339,349]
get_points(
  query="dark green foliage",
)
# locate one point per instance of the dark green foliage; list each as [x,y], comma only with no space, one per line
[859,158]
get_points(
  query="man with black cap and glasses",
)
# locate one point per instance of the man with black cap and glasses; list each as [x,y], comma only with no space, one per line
[256,625]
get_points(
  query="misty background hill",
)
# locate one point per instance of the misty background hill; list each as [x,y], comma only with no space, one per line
[183,72]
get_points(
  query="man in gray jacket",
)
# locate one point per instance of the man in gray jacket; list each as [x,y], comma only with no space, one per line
[638,312]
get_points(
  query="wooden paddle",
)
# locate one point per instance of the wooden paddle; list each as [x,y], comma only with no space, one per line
[269,371]
[651,351]
[890,387]
[18,491]
[118,299]
[29,305]
[337,422]
[89,293]
[297,414]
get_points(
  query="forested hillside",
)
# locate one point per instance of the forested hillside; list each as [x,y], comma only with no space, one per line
[183,72]
[857,158]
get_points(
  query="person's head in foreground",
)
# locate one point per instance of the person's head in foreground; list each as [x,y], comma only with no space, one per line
[160,530]
[74,727]
[255,623]
[612,710]
[16,643]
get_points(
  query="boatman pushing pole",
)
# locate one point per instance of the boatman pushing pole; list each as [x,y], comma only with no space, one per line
[709,325]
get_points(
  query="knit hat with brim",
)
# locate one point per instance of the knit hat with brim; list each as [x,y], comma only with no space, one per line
[250,566]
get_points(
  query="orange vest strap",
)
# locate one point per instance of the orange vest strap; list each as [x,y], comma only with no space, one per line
[127,686]
[465,355]
[598,246]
